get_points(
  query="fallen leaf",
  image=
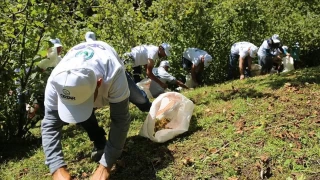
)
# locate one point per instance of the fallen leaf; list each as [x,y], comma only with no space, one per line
[202,156]
[213,150]
[311,134]
[240,124]
[233,178]
[187,161]
[84,175]
[287,84]
[224,111]
[298,145]
[236,154]
[265,158]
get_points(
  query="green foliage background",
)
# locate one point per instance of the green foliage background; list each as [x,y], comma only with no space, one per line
[212,25]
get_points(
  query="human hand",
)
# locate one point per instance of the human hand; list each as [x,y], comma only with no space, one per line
[61,174]
[241,76]
[101,173]
[31,114]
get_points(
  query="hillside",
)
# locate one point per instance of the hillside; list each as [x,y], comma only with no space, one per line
[266,126]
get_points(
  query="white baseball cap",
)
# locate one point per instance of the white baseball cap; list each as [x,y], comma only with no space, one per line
[207,60]
[56,42]
[285,48]
[253,51]
[75,82]
[164,63]
[166,48]
[90,36]
[275,38]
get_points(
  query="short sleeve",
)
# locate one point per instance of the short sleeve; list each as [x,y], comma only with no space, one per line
[51,96]
[165,76]
[243,52]
[118,90]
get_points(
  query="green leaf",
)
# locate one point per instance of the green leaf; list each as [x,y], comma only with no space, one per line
[40,24]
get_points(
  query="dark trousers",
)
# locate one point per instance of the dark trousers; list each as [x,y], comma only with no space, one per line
[95,132]
[233,70]
[186,64]
[136,74]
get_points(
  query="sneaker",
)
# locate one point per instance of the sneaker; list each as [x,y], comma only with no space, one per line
[96,154]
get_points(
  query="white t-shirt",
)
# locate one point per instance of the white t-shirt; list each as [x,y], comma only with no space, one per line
[141,54]
[241,48]
[276,52]
[52,59]
[263,48]
[107,65]
[165,77]
[194,55]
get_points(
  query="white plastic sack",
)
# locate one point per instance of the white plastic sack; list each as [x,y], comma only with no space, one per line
[189,81]
[172,106]
[255,69]
[150,87]
[288,64]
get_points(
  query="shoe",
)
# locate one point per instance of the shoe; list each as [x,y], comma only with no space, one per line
[61,174]
[96,154]
[102,173]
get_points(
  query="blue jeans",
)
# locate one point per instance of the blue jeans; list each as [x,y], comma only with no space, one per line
[137,96]
[234,66]
[51,131]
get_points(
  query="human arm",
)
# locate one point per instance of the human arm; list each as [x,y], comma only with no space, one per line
[150,74]
[241,67]
[284,51]
[32,113]
[118,95]
[194,75]
[179,83]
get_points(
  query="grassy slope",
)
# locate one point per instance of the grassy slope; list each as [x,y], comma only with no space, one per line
[264,126]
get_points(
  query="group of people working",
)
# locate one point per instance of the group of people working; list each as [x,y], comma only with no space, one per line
[269,54]
[92,75]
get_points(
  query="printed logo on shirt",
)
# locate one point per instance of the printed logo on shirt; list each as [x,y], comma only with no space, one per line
[66,95]
[86,53]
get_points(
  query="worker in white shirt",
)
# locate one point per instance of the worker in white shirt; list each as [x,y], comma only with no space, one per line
[264,53]
[194,60]
[146,55]
[162,73]
[90,75]
[241,55]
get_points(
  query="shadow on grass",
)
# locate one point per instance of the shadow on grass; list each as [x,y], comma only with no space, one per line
[308,75]
[243,93]
[142,158]
[18,149]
